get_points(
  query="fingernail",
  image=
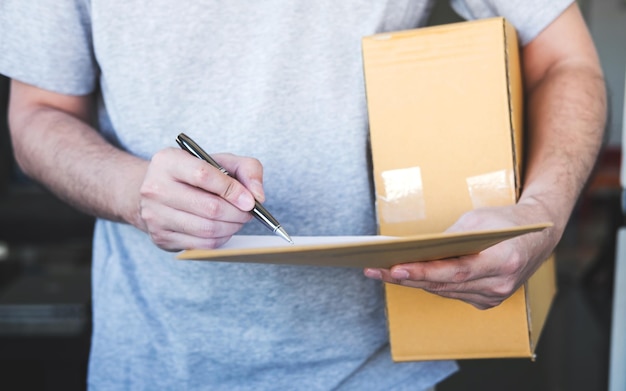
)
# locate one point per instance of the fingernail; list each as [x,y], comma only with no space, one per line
[373,273]
[245,202]
[400,274]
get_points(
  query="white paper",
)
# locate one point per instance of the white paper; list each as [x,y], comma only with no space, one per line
[263,241]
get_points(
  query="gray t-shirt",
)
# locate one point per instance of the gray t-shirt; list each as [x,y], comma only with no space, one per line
[280,80]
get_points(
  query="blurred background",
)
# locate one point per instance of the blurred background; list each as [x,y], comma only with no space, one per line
[45,248]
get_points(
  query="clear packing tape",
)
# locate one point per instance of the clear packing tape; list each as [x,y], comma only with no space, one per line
[403,198]
[490,188]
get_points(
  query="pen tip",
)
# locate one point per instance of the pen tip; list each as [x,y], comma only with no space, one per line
[283,234]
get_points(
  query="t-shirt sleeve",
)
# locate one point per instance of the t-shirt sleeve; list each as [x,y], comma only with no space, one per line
[47,43]
[529,17]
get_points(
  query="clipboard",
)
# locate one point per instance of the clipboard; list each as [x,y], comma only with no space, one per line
[360,251]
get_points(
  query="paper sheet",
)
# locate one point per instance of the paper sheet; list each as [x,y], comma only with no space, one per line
[264,241]
[357,251]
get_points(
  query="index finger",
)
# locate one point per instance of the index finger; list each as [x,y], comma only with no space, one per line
[455,270]
[203,175]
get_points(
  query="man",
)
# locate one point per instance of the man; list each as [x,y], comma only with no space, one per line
[279,81]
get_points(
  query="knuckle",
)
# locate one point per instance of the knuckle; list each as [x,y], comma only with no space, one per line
[471,219]
[162,158]
[146,215]
[200,174]
[159,156]
[435,287]
[215,243]
[149,189]
[512,265]
[160,238]
[461,275]
[212,208]
[253,162]
[502,290]
[492,303]
[247,162]
[208,230]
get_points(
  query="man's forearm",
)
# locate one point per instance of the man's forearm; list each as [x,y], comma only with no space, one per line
[565,122]
[71,159]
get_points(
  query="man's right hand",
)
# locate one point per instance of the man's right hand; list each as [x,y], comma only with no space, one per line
[187,203]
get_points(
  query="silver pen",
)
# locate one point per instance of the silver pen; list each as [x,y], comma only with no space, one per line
[258,211]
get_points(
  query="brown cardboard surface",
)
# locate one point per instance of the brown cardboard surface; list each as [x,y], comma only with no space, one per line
[445,107]
[438,97]
[540,287]
[375,252]
[451,329]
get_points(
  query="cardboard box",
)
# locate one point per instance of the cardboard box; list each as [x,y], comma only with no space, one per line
[445,109]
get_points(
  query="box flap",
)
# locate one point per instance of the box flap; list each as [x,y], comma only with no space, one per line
[516,100]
